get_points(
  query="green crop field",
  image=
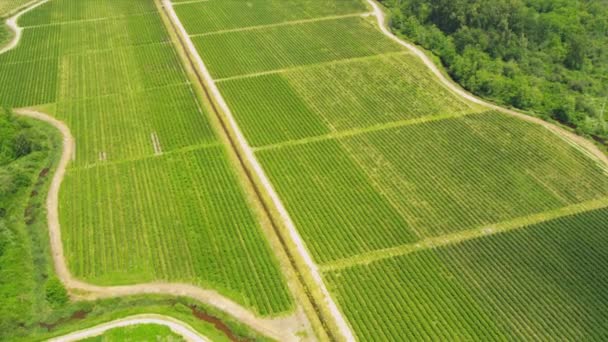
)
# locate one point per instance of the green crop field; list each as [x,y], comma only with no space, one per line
[143,332]
[151,194]
[545,281]
[231,54]
[426,180]
[230,15]
[430,217]
[394,87]
[203,234]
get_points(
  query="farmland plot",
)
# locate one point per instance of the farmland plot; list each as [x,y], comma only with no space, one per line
[120,231]
[248,52]
[150,194]
[336,97]
[58,12]
[232,14]
[545,281]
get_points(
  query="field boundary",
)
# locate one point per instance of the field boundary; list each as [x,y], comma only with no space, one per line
[312,65]
[281,24]
[291,240]
[466,235]
[337,135]
[176,326]
[581,143]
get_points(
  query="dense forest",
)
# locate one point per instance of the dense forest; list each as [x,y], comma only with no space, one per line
[545,56]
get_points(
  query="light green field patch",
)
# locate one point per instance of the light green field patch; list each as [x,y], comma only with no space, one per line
[124,70]
[543,282]
[336,209]
[270,111]
[120,127]
[248,52]
[375,91]
[61,11]
[10,6]
[456,174]
[180,217]
[211,16]
[336,97]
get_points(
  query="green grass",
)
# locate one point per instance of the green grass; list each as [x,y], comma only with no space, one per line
[108,70]
[246,52]
[337,97]
[544,282]
[241,14]
[143,332]
[445,176]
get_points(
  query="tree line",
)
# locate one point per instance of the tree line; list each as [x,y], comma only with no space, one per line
[549,57]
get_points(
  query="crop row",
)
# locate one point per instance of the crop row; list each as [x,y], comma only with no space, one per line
[315,100]
[433,178]
[121,127]
[25,84]
[544,282]
[181,217]
[59,11]
[246,52]
[85,37]
[122,70]
[226,15]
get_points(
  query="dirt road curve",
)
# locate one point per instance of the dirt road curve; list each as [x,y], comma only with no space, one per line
[284,329]
[178,327]
[12,24]
[574,139]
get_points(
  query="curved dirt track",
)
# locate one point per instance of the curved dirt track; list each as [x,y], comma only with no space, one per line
[17,30]
[283,329]
[178,327]
[570,137]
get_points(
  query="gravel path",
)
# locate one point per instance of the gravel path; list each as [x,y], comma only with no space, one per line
[178,327]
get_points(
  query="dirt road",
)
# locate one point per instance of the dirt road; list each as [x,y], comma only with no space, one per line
[178,327]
